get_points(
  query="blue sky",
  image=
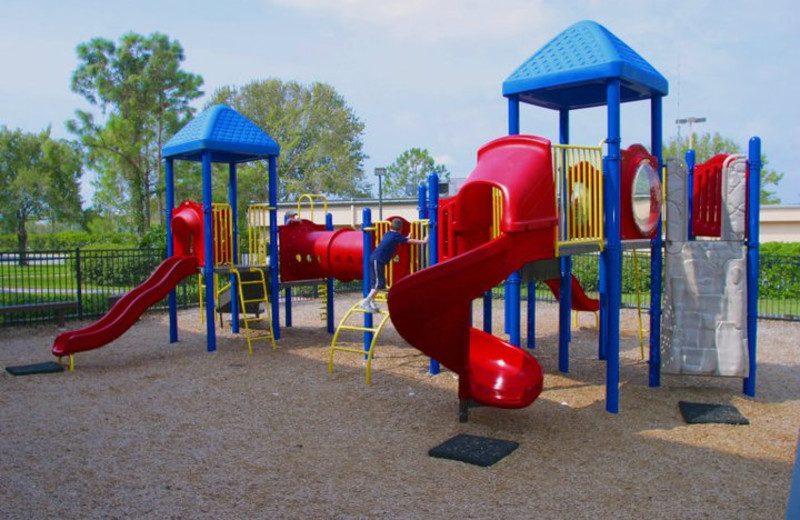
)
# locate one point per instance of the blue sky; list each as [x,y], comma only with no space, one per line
[429,73]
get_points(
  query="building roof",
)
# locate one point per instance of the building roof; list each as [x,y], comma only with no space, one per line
[228,135]
[572,70]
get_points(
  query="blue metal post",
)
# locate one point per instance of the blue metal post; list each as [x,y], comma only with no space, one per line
[287,306]
[656,245]
[422,201]
[208,254]
[273,246]
[487,311]
[565,280]
[433,236]
[233,198]
[613,250]
[369,234]
[513,289]
[753,209]
[602,348]
[329,283]
[690,163]
[169,178]
[531,315]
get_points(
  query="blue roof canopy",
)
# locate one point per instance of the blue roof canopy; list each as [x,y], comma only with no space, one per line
[228,135]
[572,70]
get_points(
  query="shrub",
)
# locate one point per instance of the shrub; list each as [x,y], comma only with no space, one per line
[110,265]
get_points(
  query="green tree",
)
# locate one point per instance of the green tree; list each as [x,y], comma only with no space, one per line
[143,97]
[319,134]
[707,146]
[40,178]
[411,168]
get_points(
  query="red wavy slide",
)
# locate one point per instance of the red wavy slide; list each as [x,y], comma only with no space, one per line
[580,301]
[431,310]
[128,309]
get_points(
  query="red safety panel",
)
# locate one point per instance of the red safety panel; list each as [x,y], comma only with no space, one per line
[707,197]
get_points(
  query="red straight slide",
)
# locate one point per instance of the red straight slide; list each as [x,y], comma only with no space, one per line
[580,301]
[431,309]
[127,310]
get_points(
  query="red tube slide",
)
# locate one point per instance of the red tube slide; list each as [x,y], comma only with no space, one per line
[431,308]
[127,310]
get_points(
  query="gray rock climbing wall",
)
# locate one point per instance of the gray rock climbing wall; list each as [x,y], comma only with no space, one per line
[704,320]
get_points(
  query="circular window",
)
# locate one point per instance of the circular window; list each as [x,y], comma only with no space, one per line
[646,198]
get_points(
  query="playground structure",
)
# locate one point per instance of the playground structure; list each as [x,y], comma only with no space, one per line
[527,207]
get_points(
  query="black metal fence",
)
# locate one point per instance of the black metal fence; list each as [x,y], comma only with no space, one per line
[94,278]
[91,278]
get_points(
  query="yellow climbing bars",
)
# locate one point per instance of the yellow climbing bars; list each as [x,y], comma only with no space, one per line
[253,291]
[355,311]
[497,211]
[258,233]
[419,253]
[578,175]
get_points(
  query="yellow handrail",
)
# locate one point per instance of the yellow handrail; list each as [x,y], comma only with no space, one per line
[311,197]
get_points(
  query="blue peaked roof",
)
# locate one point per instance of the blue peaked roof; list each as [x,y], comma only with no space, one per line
[228,135]
[572,70]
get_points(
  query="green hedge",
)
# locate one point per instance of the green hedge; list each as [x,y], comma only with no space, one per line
[63,240]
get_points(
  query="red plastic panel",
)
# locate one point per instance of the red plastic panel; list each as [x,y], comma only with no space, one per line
[707,197]
[632,158]
[187,231]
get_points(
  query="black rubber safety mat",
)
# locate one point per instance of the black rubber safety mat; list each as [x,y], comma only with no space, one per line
[480,451]
[700,413]
[48,367]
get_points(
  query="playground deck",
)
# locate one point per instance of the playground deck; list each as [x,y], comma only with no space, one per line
[144,429]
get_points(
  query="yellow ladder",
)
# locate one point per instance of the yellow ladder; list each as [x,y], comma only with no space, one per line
[355,310]
[322,290]
[261,298]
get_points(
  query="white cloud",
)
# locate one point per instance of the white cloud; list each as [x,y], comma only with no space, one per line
[445,159]
[436,21]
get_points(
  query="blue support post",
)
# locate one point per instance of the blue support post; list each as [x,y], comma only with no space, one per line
[656,245]
[208,254]
[169,178]
[487,312]
[287,306]
[433,237]
[753,210]
[613,250]
[233,198]
[531,315]
[565,280]
[329,284]
[602,348]
[422,201]
[564,311]
[690,164]
[512,288]
[369,234]
[273,246]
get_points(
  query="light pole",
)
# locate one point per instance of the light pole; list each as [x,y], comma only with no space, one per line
[379,173]
[690,121]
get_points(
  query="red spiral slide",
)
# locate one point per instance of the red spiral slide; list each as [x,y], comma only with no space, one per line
[431,309]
